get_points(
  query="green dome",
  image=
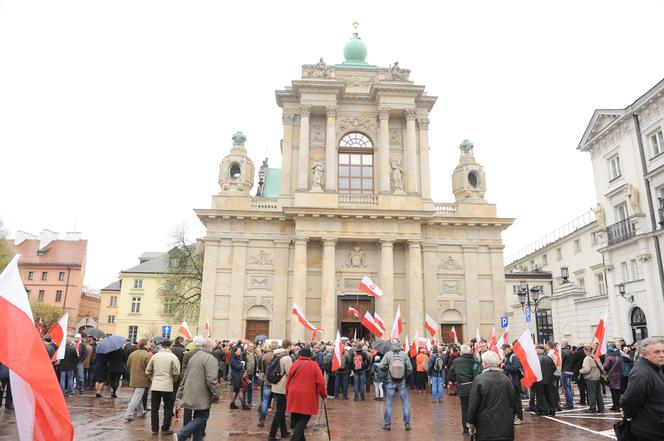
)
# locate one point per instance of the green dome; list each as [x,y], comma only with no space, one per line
[355,51]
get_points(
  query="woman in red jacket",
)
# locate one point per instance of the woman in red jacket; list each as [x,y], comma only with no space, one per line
[305,382]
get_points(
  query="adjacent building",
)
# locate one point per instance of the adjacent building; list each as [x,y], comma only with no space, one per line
[352,199]
[108,310]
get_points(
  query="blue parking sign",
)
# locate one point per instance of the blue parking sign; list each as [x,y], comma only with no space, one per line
[503,322]
[528,315]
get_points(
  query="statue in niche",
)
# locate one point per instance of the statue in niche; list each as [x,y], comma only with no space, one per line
[450,264]
[397,176]
[600,216]
[317,171]
[397,73]
[356,258]
[634,202]
[262,258]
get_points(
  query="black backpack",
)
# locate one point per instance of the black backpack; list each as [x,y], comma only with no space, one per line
[274,373]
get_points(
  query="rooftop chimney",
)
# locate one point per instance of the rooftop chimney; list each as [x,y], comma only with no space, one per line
[73,236]
[46,237]
[22,236]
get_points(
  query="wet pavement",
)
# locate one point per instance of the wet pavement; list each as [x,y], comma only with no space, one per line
[103,419]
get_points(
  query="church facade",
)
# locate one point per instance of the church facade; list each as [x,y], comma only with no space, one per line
[352,199]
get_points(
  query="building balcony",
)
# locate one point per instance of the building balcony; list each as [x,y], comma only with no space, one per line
[620,231]
[358,200]
[445,208]
[263,203]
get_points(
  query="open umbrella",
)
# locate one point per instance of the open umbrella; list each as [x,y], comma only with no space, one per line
[110,344]
[159,340]
[260,338]
[382,346]
[94,332]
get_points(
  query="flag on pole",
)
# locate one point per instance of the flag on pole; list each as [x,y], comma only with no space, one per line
[184,330]
[430,324]
[493,347]
[600,335]
[355,334]
[556,352]
[208,331]
[370,288]
[499,346]
[524,348]
[338,350]
[58,334]
[413,346]
[406,345]
[379,321]
[369,323]
[354,312]
[297,312]
[477,342]
[397,326]
[41,410]
[454,336]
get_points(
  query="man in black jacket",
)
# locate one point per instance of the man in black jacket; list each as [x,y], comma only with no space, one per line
[643,401]
[577,363]
[514,370]
[462,372]
[567,372]
[66,366]
[546,401]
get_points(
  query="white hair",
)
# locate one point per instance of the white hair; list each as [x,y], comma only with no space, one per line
[490,359]
[207,342]
[465,349]
[198,340]
[645,343]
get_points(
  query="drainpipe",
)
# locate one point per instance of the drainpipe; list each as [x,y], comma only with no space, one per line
[651,208]
[64,302]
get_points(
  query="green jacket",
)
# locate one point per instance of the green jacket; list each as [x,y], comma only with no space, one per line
[199,385]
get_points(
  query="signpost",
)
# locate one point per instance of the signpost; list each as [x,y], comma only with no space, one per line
[166,331]
[504,322]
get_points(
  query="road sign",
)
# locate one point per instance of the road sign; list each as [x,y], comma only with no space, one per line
[504,322]
[166,331]
[528,315]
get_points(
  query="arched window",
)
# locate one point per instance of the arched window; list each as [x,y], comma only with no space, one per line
[355,164]
[639,324]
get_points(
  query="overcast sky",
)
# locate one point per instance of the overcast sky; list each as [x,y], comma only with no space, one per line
[115,115]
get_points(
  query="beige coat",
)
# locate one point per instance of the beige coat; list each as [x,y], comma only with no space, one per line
[164,370]
[285,363]
[199,386]
[137,363]
[590,369]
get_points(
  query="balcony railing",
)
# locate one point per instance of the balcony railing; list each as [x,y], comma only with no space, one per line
[620,231]
[267,204]
[445,208]
[368,200]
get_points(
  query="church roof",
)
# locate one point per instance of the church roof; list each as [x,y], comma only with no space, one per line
[600,120]
[272,186]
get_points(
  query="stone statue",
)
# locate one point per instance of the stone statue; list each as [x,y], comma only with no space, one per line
[397,176]
[600,216]
[450,264]
[239,138]
[466,147]
[634,202]
[356,258]
[321,64]
[317,171]
[397,73]
[318,70]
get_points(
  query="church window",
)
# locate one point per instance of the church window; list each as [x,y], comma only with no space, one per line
[614,167]
[657,143]
[355,164]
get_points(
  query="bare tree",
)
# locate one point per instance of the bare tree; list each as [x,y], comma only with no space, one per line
[5,250]
[180,292]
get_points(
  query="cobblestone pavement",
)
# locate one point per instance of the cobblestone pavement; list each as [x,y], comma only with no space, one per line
[102,419]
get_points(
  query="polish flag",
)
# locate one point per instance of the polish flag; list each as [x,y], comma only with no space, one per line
[499,346]
[58,334]
[397,326]
[600,335]
[477,342]
[406,345]
[556,351]
[369,323]
[354,312]
[430,324]
[41,410]
[338,350]
[379,321]
[302,319]
[370,288]
[524,348]
[313,334]
[454,336]
[413,347]
[184,330]
[208,331]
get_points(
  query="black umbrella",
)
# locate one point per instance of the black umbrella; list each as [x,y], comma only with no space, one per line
[382,346]
[94,332]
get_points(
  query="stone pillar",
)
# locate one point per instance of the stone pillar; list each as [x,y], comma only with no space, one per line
[328,289]
[415,298]
[287,154]
[208,284]
[280,312]
[431,286]
[411,152]
[386,304]
[649,305]
[384,151]
[472,286]
[299,293]
[331,150]
[303,162]
[235,312]
[617,326]
[423,123]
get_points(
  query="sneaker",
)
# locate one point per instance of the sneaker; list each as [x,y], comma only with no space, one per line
[261,423]
[97,395]
[569,407]
[407,427]
[245,407]
[386,428]
[517,422]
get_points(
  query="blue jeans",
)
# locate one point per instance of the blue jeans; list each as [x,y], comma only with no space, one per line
[341,382]
[195,426]
[359,384]
[67,377]
[567,387]
[265,402]
[80,376]
[249,394]
[401,388]
[436,388]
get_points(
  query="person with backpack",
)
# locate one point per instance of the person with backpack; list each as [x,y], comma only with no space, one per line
[398,367]
[378,378]
[276,374]
[514,370]
[422,367]
[341,376]
[462,373]
[266,389]
[360,363]
[436,371]
[304,385]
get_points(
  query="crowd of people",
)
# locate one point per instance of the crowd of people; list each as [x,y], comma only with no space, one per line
[184,378]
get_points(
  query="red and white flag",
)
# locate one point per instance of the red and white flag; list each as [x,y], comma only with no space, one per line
[208,331]
[454,336]
[303,320]
[477,342]
[524,348]
[354,312]
[406,345]
[41,410]
[184,330]
[58,334]
[370,288]
[397,326]
[499,346]
[600,335]
[430,324]
[369,323]
[379,321]
[413,346]
[556,351]
[338,350]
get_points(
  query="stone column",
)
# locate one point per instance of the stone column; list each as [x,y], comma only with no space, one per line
[411,152]
[423,123]
[431,285]
[299,293]
[386,304]
[328,289]
[208,284]
[303,162]
[384,150]
[472,286]
[415,298]
[235,312]
[280,312]
[331,150]
[287,154]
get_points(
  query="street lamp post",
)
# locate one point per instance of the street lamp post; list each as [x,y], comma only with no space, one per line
[525,293]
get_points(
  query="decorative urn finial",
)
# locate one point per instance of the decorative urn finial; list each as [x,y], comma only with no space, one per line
[466,147]
[239,138]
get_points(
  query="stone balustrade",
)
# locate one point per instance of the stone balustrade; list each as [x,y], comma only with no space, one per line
[355,200]
[445,208]
[262,203]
